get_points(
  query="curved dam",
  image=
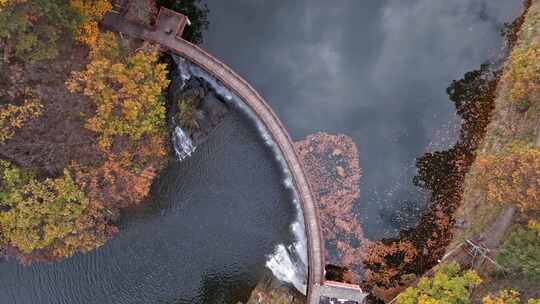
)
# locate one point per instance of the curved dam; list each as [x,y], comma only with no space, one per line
[168,20]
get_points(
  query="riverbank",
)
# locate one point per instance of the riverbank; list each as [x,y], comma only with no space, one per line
[511,121]
[516,120]
[82,137]
[393,264]
[270,291]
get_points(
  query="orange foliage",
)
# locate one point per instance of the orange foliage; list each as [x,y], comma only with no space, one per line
[332,167]
[523,73]
[13,117]
[511,177]
[390,260]
[91,12]
[114,185]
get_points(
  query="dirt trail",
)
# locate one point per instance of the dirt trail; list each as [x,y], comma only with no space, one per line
[494,235]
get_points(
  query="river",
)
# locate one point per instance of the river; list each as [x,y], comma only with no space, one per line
[203,237]
[375,70]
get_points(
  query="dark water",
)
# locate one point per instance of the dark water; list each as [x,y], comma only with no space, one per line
[202,239]
[373,69]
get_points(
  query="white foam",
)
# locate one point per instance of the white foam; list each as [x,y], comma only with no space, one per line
[288,263]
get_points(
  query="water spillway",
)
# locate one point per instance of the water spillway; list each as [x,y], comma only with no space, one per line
[288,262]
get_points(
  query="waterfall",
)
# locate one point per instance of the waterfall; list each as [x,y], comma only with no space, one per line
[183,146]
[288,262]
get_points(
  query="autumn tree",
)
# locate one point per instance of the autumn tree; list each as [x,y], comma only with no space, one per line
[386,263]
[511,177]
[507,297]
[91,11]
[523,73]
[449,285]
[520,253]
[35,30]
[13,116]
[126,89]
[129,121]
[503,297]
[51,216]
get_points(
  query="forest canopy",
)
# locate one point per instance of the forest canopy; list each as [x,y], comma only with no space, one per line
[35,30]
[51,216]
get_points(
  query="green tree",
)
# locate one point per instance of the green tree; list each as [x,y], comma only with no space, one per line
[51,215]
[521,253]
[449,285]
[35,29]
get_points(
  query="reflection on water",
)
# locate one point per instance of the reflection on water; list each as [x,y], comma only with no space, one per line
[375,70]
[203,238]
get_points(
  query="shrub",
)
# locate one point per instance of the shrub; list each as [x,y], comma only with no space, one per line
[448,286]
[188,115]
[520,253]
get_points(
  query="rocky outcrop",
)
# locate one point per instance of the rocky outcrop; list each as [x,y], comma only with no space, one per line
[269,291]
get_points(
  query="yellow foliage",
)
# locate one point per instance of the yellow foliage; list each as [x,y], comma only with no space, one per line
[91,9]
[449,285]
[504,297]
[52,216]
[511,177]
[534,224]
[507,297]
[524,72]
[6,3]
[91,12]
[13,117]
[126,89]
[87,32]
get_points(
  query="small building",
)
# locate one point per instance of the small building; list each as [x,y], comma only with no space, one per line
[338,293]
[171,22]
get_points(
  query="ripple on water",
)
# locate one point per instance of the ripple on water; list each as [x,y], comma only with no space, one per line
[203,238]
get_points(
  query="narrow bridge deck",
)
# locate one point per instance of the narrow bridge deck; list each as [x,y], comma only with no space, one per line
[167,33]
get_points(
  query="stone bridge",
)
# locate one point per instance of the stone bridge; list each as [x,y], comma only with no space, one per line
[167,33]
